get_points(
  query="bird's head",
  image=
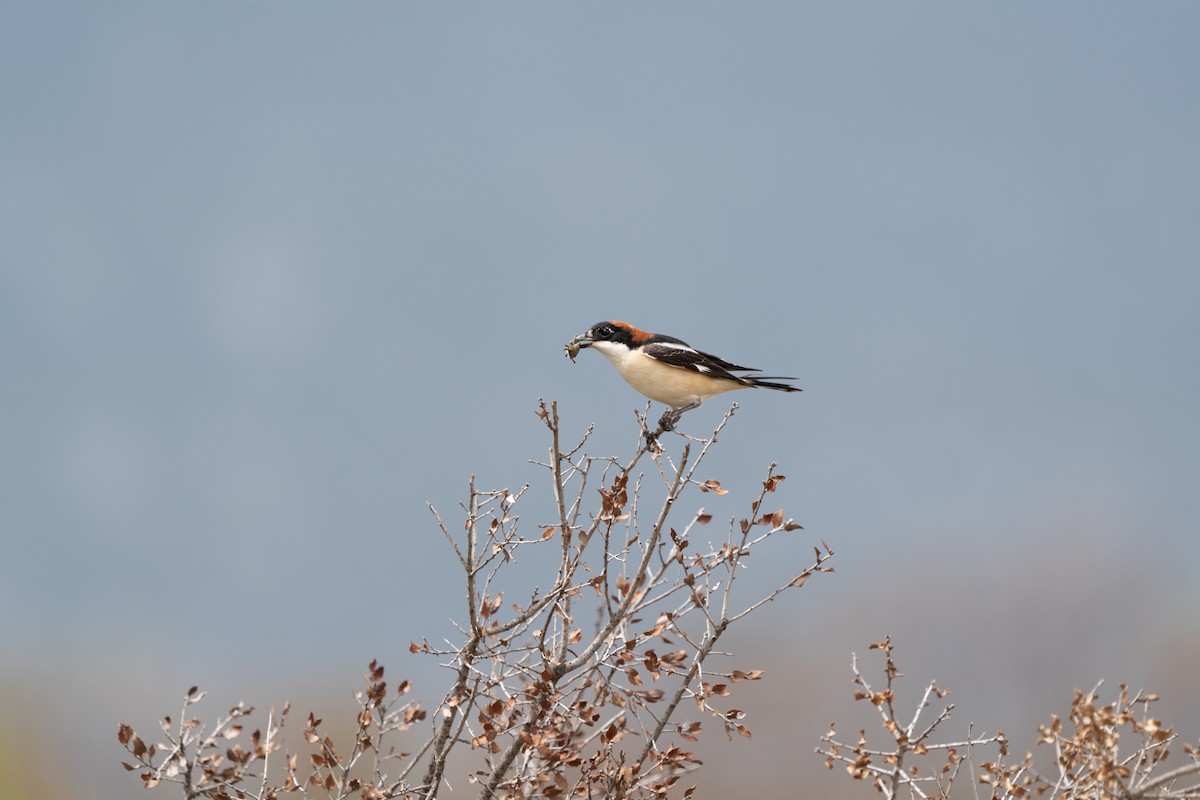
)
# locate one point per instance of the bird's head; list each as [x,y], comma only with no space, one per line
[604,335]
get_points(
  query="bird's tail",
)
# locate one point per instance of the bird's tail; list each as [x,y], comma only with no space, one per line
[770,382]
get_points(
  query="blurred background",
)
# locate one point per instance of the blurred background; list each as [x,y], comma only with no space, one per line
[274,276]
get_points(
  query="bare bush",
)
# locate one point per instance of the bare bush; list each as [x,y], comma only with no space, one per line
[1104,750]
[594,687]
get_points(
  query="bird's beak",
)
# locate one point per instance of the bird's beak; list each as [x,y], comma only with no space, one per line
[578,343]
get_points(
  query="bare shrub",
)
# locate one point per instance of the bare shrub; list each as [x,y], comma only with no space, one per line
[1113,749]
[594,687]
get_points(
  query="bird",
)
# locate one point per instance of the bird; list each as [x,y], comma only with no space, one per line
[668,370]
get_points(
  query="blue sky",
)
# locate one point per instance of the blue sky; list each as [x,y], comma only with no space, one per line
[274,276]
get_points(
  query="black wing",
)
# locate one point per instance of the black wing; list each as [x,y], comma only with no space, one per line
[678,354]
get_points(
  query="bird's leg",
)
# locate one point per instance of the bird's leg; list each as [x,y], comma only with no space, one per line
[672,416]
[667,422]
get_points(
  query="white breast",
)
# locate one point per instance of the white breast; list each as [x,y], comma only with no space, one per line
[672,386]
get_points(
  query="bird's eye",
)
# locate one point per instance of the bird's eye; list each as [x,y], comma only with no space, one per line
[604,331]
